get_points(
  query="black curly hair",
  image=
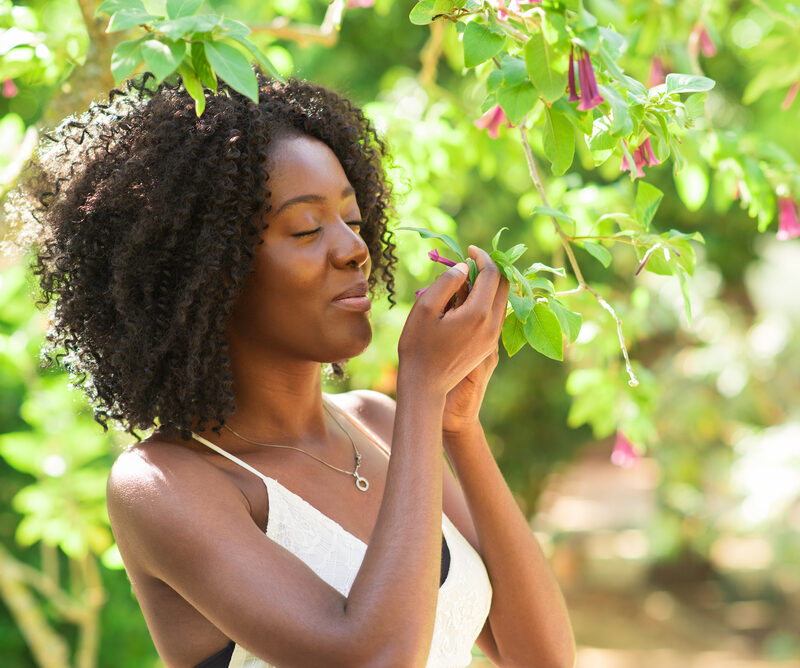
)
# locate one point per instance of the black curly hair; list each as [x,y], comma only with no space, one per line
[149,218]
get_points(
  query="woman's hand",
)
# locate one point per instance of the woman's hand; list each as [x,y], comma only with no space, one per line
[439,350]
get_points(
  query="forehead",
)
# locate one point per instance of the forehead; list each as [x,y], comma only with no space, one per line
[303,165]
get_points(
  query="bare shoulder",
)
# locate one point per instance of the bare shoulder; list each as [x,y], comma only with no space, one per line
[374,410]
[153,487]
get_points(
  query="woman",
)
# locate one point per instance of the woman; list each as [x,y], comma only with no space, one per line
[201,270]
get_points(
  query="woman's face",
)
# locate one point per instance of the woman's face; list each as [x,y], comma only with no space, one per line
[307,296]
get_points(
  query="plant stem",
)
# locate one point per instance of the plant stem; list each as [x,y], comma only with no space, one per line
[565,242]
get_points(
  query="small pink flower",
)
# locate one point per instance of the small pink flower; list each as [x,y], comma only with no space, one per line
[699,39]
[590,95]
[624,454]
[492,120]
[417,293]
[658,74]
[352,4]
[788,225]
[787,101]
[9,89]
[434,255]
[573,91]
[642,155]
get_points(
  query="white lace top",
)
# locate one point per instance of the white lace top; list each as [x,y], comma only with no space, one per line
[335,555]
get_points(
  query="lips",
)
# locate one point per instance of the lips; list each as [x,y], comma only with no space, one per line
[354,299]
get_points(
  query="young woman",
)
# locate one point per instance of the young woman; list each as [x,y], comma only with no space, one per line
[202,269]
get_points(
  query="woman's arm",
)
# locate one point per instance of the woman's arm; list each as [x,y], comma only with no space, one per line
[528,618]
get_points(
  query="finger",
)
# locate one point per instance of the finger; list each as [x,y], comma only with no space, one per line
[499,306]
[438,294]
[461,295]
[487,281]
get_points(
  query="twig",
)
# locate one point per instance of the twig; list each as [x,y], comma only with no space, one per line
[565,242]
[430,54]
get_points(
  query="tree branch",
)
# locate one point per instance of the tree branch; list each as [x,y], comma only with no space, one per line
[327,33]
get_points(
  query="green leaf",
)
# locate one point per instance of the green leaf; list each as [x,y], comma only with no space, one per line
[496,238]
[126,58]
[687,304]
[553,213]
[425,11]
[193,87]
[558,140]
[539,60]
[129,18]
[112,6]
[688,83]
[427,234]
[536,267]
[232,27]
[260,57]
[515,252]
[570,320]
[770,77]
[648,197]
[177,28]
[473,271]
[621,121]
[178,8]
[202,67]
[512,70]
[598,252]
[233,67]
[163,58]
[543,332]
[517,101]
[480,44]
[513,335]
[522,304]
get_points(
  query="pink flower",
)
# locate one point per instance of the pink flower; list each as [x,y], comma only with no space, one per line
[9,89]
[700,39]
[788,225]
[417,293]
[590,96]
[492,120]
[434,255]
[658,74]
[352,4]
[573,93]
[787,101]
[642,155]
[624,453]
[513,6]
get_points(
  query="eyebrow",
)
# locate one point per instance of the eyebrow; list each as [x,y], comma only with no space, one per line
[311,199]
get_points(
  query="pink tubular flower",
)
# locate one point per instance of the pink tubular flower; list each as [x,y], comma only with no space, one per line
[699,39]
[787,101]
[642,155]
[624,453]
[573,92]
[352,4]
[417,293]
[788,224]
[590,96]
[658,74]
[434,255]
[492,120]
[9,89]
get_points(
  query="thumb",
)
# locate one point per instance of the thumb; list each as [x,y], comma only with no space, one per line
[443,288]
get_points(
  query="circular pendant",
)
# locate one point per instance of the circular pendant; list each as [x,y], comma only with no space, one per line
[361,483]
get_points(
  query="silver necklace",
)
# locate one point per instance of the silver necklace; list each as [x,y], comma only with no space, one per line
[361,482]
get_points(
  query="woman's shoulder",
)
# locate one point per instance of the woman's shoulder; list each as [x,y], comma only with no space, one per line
[374,410]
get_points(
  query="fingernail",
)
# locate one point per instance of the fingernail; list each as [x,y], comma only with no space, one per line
[462,267]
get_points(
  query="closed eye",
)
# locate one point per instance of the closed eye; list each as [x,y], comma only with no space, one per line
[307,232]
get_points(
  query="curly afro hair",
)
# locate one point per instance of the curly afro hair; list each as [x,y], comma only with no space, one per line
[149,218]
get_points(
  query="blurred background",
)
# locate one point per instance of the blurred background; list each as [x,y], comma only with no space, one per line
[684,552]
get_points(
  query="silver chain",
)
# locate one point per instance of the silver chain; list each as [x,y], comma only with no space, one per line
[361,482]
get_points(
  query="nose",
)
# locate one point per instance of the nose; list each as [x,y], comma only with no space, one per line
[349,249]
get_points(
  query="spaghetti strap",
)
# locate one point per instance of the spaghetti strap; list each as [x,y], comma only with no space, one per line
[233,458]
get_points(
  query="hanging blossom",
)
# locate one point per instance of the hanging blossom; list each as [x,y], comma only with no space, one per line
[492,120]
[699,39]
[788,224]
[513,6]
[352,4]
[642,155]
[9,89]
[658,73]
[787,101]
[590,96]
[624,454]
[434,255]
